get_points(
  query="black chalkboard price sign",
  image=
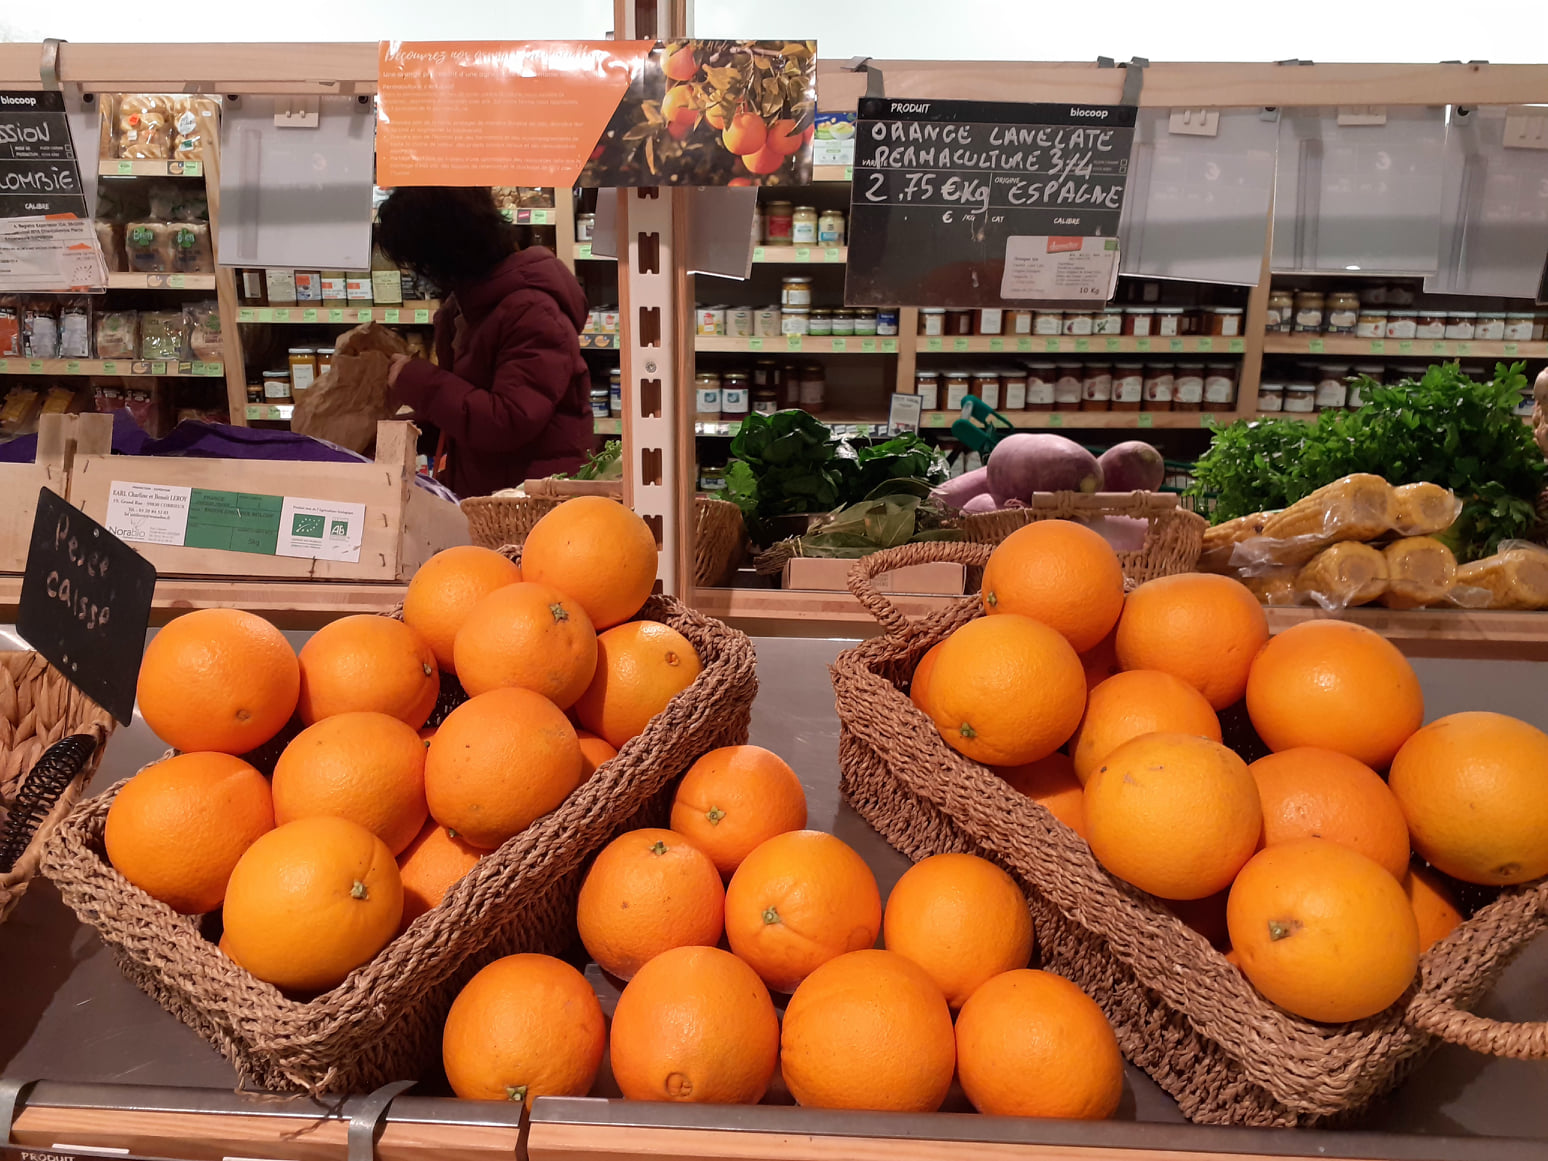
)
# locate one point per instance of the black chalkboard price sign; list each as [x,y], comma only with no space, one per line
[985,203]
[39,172]
[85,603]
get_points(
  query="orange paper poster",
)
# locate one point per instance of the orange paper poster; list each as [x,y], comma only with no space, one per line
[497,112]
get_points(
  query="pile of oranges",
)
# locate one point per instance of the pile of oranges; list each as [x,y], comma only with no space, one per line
[370,817]
[1108,709]
[798,912]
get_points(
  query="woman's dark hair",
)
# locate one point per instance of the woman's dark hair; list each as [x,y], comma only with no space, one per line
[452,235]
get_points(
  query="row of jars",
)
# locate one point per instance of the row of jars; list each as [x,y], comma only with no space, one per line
[784,224]
[741,322]
[1318,387]
[765,388]
[1089,386]
[1348,313]
[1112,320]
[602,320]
[607,398]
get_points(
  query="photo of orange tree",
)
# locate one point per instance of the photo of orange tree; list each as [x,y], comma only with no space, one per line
[713,112]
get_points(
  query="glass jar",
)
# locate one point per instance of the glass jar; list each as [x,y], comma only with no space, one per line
[768,321]
[1300,398]
[324,360]
[1375,294]
[1400,295]
[803,226]
[739,322]
[765,400]
[959,322]
[814,387]
[1048,322]
[795,290]
[250,290]
[255,392]
[1371,323]
[1078,322]
[615,390]
[1462,325]
[1128,386]
[303,368]
[927,385]
[1159,384]
[600,407]
[1013,390]
[1169,320]
[1188,387]
[865,321]
[1018,321]
[1280,318]
[986,385]
[843,323]
[778,224]
[710,320]
[1332,390]
[830,228]
[1539,325]
[1308,311]
[990,321]
[1096,387]
[819,322]
[1041,378]
[706,393]
[1489,327]
[1401,324]
[1108,322]
[932,321]
[276,387]
[585,227]
[1430,324]
[735,395]
[1219,385]
[1373,371]
[958,384]
[886,320]
[1225,320]
[1067,380]
[1518,326]
[1343,313]
[1271,396]
[1139,320]
[795,320]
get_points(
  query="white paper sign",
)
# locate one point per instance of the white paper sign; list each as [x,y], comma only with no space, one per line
[321,529]
[50,254]
[903,415]
[148,513]
[1060,269]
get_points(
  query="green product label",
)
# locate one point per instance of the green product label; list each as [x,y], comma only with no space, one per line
[1238,346]
[1114,344]
[1146,419]
[803,254]
[392,316]
[140,236]
[933,343]
[757,253]
[1023,344]
[1177,344]
[73,367]
[1206,344]
[245,315]
[1056,420]
[309,315]
[235,521]
[1316,346]
[890,346]
[1378,346]
[1051,344]
[1082,344]
[868,345]
[840,345]
[755,343]
[307,524]
[996,344]
[336,316]
[35,367]
[1512,348]
[422,316]
[960,344]
[282,315]
[1142,344]
[177,282]
[792,342]
[833,254]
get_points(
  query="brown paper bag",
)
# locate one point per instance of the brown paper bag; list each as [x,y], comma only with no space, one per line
[345,403]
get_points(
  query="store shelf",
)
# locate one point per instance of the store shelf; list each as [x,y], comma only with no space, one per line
[128,280]
[832,255]
[150,368]
[1399,348]
[1136,419]
[418,313]
[1076,345]
[779,344]
[146,167]
[272,412]
[531,216]
[592,340]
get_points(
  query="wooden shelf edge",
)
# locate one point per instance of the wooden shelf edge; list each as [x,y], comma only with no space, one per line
[1139,420]
[1314,346]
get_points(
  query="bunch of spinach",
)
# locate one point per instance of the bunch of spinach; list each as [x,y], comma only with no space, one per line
[1443,428]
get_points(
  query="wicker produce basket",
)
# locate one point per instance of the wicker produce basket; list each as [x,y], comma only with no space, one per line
[1173,540]
[1181,1011]
[383,1023]
[51,737]
[720,538]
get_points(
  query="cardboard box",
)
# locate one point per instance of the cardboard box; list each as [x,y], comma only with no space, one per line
[937,578]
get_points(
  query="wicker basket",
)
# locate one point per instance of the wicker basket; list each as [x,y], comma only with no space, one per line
[720,538]
[1181,1011]
[38,709]
[1172,542]
[383,1023]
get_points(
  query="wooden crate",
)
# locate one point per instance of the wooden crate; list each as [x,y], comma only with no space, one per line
[60,438]
[404,524]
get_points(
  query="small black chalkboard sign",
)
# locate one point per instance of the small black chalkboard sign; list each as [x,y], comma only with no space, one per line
[39,171]
[85,603]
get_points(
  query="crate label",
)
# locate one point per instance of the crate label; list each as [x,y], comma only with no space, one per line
[868,345]
[996,344]
[1082,345]
[1146,419]
[833,254]
[933,343]
[422,315]
[391,316]
[1238,346]
[245,314]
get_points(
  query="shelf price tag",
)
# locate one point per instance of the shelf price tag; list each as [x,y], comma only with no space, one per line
[868,345]
[1142,344]
[1176,344]
[1378,346]
[755,343]
[1206,344]
[1464,348]
[35,367]
[392,316]
[363,315]
[1024,343]
[1146,419]
[757,254]
[803,254]
[177,281]
[309,315]
[73,367]
[4,366]
[282,316]
[1113,344]
[1082,344]
[197,368]
[960,344]
[1238,346]
[1316,346]
[1206,419]
[890,346]
[933,343]
[108,368]
[840,346]
[996,344]
[193,169]
[1512,348]
[336,316]
[125,168]
[1051,345]
[246,315]
[1437,348]
[792,342]
[422,315]
[1056,420]
[158,369]
[832,254]
[1406,347]
[583,250]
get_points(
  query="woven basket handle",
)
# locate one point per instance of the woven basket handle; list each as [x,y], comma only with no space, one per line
[888,615]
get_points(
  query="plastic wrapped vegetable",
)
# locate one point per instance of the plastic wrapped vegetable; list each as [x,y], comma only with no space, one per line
[1274,588]
[1420,572]
[1357,507]
[1516,577]
[1220,540]
[1346,574]
[1423,509]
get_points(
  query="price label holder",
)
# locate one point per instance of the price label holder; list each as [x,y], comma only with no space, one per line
[1378,346]
[1176,345]
[85,603]
[177,281]
[363,315]
[889,346]
[803,254]
[1051,346]
[832,254]
[1142,344]
[868,346]
[840,346]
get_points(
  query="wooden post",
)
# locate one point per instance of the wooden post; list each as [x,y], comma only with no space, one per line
[232,359]
[1254,332]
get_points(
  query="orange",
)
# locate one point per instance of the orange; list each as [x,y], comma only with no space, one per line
[1338,686]
[1141,701]
[177,828]
[1060,573]
[597,552]
[1434,906]
[431,865]
[1006,690]
[1323,931]
[311,901]
[649,890]
[1052,782]
[594,752]
[1203,628]
[218,679]
[1174,814]
[798,900]
[530,636]
[695,1024]
[919,685]
[734,798]
[1101,661]
[525,1026]
[1311,793]
[1032,1044]
[868,1030]
[962,919]
[445,589]
[1474,789]
[366,767]
[640,667]
[366,662]
[499,761]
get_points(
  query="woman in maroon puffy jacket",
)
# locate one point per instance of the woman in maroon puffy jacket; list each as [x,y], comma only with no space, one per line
[509,391]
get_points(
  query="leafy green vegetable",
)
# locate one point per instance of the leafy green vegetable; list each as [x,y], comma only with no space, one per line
[896,512]
[606,464]
[1443,428]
